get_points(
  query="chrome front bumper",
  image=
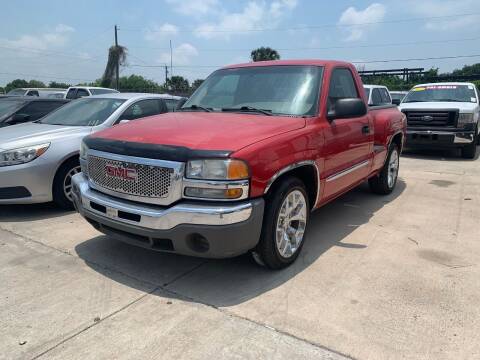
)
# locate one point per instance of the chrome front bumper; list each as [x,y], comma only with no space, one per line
[155,217]
[459,138]
[215,230]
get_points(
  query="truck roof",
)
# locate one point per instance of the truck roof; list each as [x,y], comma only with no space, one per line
[375,87]
[290,62]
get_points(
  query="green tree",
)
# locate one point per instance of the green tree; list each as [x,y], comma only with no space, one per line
[36,84]
[137,83]
[17,83]
[264,54]
[58,85]
[116,54]
[196,84]
[178,84]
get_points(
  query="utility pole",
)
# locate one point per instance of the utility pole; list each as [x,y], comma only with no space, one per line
[166,75]
[171,58]
[117,65]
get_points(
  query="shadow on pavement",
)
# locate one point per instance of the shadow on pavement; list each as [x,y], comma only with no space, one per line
[20,213]
[230,282]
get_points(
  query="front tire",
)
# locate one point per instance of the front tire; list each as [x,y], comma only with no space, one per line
[470,151]
[62,184]
[285,221]
[385,181]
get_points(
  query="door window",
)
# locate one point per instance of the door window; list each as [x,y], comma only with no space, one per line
[144,108]
[376,97]
[71,93]
[82,93]
[342,86]
[385,96]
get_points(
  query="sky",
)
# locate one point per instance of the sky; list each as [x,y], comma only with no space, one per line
[68,41]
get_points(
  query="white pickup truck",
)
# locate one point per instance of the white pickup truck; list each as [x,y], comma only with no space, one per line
[443,115]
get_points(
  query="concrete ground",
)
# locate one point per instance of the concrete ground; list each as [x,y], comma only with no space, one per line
[393,277]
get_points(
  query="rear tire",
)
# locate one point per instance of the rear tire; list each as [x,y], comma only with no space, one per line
[385,181]
[62,184]
[285,220]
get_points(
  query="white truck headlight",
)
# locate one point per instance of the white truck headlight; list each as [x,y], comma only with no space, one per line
[465,118]
[217,169]
[22,155]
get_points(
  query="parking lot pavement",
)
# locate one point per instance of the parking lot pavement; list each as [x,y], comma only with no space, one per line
[379,277]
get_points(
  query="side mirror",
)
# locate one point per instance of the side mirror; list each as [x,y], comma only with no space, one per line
[18,118]
[396,101]
[347,108]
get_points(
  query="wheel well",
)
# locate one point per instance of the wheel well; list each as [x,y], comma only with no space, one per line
[308,175]
[73,157]
[398,139]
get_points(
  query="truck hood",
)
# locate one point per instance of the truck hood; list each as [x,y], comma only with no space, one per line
[16,136]
[202,130]
[462,106]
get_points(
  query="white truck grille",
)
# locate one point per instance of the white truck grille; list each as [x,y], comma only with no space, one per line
[130,178]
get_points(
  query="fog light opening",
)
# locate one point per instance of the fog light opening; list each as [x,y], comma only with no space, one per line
[198,243]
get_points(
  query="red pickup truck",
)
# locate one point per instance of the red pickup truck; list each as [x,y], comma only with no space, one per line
[242,164]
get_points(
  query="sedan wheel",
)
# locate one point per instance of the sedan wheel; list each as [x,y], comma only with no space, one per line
[67,182]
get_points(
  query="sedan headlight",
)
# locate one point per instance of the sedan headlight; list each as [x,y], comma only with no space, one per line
[83,150]
[217,169]
[22,155]
[465,118]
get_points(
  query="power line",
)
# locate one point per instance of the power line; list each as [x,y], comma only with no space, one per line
[329,47]
[306,27]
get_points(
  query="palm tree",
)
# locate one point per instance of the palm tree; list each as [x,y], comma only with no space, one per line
[116,55]
[264,54]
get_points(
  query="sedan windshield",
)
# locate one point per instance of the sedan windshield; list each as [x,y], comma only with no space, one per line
[281,90]
[437,93]
[83,112]
[8,105]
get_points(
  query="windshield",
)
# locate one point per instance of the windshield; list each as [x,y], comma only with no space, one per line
[16,92]
[83,112]
[282,90]
[436,93]
[8,105]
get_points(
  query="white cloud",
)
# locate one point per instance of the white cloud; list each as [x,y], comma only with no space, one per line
[195,8]
[373,13]
[159,32]
[182,55]
[256,14]
[58,37]
[433,8]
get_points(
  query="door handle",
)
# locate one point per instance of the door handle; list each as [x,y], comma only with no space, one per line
[366,129]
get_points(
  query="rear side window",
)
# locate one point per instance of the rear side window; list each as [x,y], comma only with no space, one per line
[376,97]
[342,85]
[144,108]
[82,93]
[38,109]
[385,96]
[171,104]
[71,94]
[33,93]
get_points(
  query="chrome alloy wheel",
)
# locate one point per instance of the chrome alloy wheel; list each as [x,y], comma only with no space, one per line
[393,168]
[67,182]
[291,223]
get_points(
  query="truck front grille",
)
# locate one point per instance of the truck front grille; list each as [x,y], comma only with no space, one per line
[130,178]
[431,118]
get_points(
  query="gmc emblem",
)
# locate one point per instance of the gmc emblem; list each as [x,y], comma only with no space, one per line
[121,172]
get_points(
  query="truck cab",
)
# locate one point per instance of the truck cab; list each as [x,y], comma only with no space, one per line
[443,115]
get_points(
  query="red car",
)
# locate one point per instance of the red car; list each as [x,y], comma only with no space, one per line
[242,164]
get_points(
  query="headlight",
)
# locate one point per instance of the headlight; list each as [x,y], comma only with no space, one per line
[83,150]
[465,118]
[22,155]
[217,169]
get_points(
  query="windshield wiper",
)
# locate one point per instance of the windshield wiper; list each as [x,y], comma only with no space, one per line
[249,109]
[195,107]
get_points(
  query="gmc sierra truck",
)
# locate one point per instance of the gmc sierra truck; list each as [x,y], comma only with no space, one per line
[242,164]
[443,115]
